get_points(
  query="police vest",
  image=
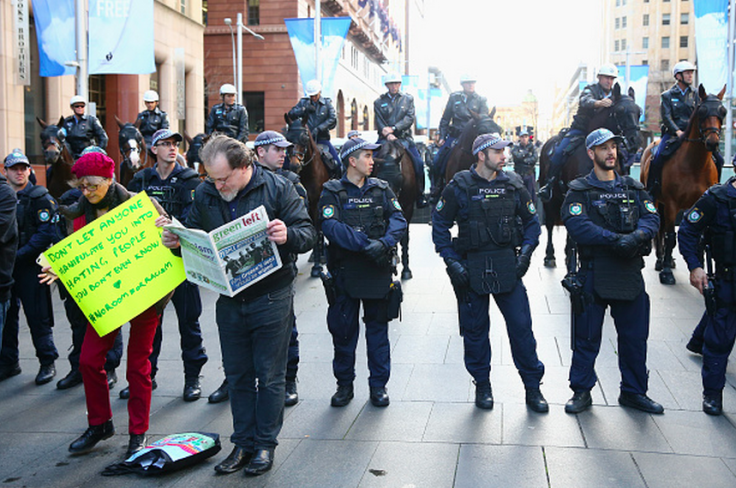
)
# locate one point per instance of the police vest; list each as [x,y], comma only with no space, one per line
[169,195]
[722,238]
[227,120]
[31,210]
[151,122]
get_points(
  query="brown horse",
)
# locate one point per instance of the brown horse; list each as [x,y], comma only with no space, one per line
[133,151]
[686,175]
[194,146]
[394,165]
[461,156]
[622,117]
[58,157]
[305,159]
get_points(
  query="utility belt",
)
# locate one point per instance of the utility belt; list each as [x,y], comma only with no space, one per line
[359,276]
[725,273]
[492,271]
[614,277]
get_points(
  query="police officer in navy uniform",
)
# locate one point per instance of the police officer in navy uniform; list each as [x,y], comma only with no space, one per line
[80,130]
[152,118]
[363,222]
[714,217]
[395,116]
[173,186]
[498,230]
[36,214]
[524,156]
[228,117]
[321,116]
[594,97]
[612,220]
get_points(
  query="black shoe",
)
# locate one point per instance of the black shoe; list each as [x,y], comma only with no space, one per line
[261,462]
[74,378]
[291,397]
[192,390]
[221,394]
[9,372]
[45,374]
[379,397]
[639,402]
[237,460]
[125,392]
[484,395]
[535,400]
[135,444]
[342,396]
[91,436]
[112,378]
[712,405]
[579,402]
[695,346]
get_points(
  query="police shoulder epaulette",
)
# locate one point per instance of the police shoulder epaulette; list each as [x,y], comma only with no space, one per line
[515,180]
[290,175]
[37,191]
[188,174]
[333,185]
[382,184]
[629,181]
[720,191]
[463,179]
[579,184]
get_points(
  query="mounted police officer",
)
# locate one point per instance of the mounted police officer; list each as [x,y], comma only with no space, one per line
[456,116]
[498,230]
[524,156]
[713,217]
[363,222]
[395,117]
[152,119]
[612,220]
[36,214]
[228,117]
[173,186]
[80,130]
[321,118]
[593,98]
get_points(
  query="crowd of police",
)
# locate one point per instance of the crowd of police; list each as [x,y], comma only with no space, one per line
[611,219]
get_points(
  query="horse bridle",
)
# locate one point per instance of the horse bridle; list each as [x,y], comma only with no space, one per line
[705,132]
[300,155]
[126,153]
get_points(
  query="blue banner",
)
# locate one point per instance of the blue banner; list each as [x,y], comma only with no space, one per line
[55,32]
[638,81]
[121,37]
[711,42]
[301,35]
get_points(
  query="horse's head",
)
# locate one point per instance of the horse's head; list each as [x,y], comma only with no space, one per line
[709,114]
[52,140]
[195,145]
[297,133]
[625,114]
[132,146]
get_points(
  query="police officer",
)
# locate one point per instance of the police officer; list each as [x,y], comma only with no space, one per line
[612,220]
[593,98]
[151,119]
[321,118]
[173,186]
[524,155]
[454,119]
[395,116]
[363,222]
[8,246]
[713,217]
[228,117]
[80,130]
[36,214]
[498,230]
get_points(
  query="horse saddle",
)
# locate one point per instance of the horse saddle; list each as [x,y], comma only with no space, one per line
[333,167]
[672,145]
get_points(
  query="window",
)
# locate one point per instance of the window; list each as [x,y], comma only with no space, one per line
[254,12]
[683,41]
[204,12]
[618,3]
[623,22]
[366,119]
[664,65]
[665,43]
[618,23]
[183,6]
[645,20]
[623,44]
[665,19]
[645,43]
[255,103]
[645,62]
[616,46]
[684,19]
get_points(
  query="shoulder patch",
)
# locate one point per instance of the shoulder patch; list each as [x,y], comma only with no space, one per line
[396,204]
[575,209]
[440,205]
[328,212]
[650,206]
[44,215]
[694,215]
[530,206]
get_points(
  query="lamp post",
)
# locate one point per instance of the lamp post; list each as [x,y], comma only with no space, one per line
[239,77]
[229,22]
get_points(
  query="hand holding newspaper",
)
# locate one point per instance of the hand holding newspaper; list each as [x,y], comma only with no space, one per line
[231,257]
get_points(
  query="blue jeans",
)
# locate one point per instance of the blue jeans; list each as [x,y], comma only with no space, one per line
[254,338]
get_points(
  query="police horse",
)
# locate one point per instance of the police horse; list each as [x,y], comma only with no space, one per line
[305,158]
[393,164]
[194,145]
[57,157]
[133,151]
[622,118]
[686,175]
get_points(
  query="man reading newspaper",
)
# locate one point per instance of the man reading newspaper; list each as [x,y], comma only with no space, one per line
[255,324]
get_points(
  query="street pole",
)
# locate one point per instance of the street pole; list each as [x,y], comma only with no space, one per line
[239,76]
[627,80]
[228,22]
[81,37]
[318,39]
[729,83]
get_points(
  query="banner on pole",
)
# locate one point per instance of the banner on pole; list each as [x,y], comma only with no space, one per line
[55,29]
[711,42]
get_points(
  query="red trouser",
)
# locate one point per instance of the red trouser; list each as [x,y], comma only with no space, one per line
[92,367]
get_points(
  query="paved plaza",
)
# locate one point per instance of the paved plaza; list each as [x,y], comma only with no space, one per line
[431,435]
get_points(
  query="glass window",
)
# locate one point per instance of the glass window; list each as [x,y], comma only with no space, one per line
[618,23]
[645,43]
[618,3]
[623,44]
[623,22]
[683,41]
[645,62]
[616,45]
[665,19]
[254,12]
[204,12]
[664,65]
[97,95]
[183,6]
[684,19]
[665,43]
[255,103]
[645,20]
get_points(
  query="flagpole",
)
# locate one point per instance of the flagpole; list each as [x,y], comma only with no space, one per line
[81,36]
[318,39]
[729,83]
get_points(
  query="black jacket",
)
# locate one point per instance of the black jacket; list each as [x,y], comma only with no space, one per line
[676,109]
[321,118]
[84,132]
[397,112]
[586,106]
[457,112]
[231,121]
[8,237]
[151,121]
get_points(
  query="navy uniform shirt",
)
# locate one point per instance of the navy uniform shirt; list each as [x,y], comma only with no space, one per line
[37,217]
[395,111]
[174,193]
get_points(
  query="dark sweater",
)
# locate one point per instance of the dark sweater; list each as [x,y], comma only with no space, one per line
[8,237]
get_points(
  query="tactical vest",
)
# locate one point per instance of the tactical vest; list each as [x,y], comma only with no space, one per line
[722,239]
[26,213]
[169,195]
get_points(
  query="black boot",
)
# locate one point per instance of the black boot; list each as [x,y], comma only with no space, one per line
[713,404]
[192,389]
[291,397]
[379,397]
[579,402]
[45,374]
[135,444]
[112,378]
[91,436]
[221,394]
[483,395]
[536,401]
[342,396]
[74,378]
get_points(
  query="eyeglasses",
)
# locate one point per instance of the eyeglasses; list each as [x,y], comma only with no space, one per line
[168,144]
[219,181]
[78,106]
[89,188]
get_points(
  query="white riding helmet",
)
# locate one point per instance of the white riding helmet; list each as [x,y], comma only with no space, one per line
[228,89]
[77,99]
[467,78]
[313,87]
[608,70]
[683,66]
[392,77]
[150,96]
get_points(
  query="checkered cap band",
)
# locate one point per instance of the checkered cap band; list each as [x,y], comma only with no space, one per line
[599,136]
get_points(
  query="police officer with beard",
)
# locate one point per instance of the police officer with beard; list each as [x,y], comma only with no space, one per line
[498,230]
[151,119]
[612,220]
[80,130]
[363,222]
[524,155]
[228,117]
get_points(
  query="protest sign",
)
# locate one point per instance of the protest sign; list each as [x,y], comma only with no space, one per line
[116,267]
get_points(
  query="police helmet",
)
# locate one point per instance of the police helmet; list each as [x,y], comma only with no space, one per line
[228,89]
[77,99]
[150,96]
[683,66]
[392,77]
[467,78]
[608,69]
[313,87]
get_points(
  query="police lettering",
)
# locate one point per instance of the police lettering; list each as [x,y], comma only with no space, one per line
[357,201]
[613,195]
[491,191]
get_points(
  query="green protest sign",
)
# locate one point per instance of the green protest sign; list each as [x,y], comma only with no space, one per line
[116,267]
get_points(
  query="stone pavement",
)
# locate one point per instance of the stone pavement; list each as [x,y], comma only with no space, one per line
[431,435]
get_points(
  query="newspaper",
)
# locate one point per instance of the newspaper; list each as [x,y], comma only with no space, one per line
[231,257]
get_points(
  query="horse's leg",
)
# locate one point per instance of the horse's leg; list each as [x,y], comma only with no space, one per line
[405,271]
[316,254]
[549,257]
[570,264]
[667,235]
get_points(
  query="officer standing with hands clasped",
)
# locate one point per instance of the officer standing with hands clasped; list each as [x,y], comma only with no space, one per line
[612,220]
[713,216]
[82,130]
[524,155]
[152,119]
[498,230]
[229,118]
[363,221]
